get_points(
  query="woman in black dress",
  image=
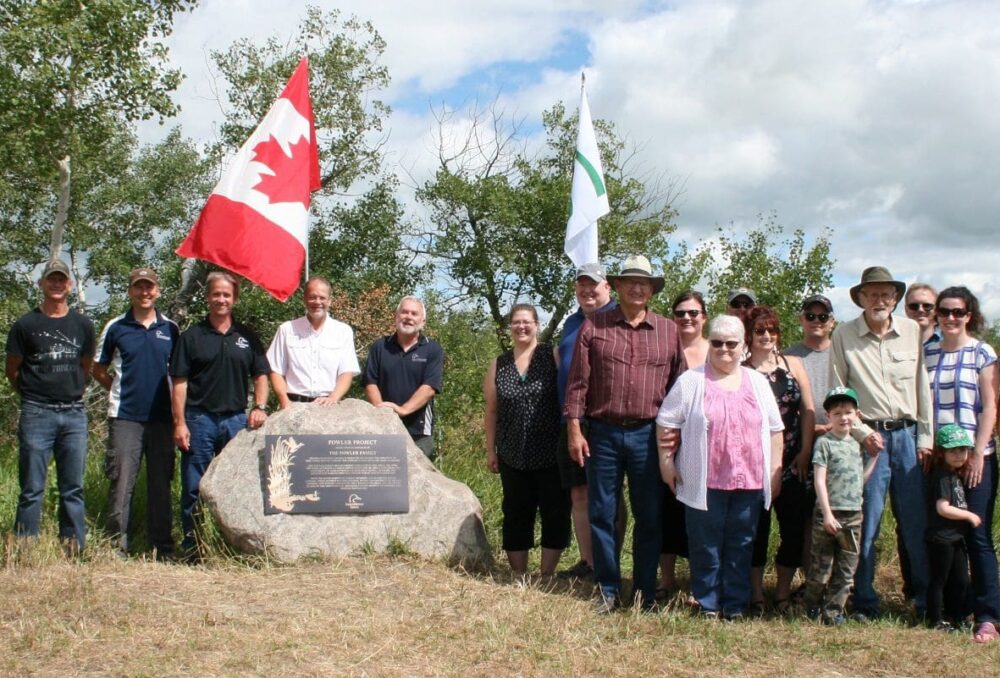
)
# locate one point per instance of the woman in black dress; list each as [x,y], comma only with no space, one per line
[522,431]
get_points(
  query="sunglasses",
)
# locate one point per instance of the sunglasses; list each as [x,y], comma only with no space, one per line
[813,317]
[741,304]
[761,331]
[692,313]
[952,312]
[719,343]
[914,306]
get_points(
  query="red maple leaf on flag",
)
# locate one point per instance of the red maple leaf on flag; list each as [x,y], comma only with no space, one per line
[290,181]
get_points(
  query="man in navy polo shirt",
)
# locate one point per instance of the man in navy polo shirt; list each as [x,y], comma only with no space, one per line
[404,373]
[211,367]
[133,355]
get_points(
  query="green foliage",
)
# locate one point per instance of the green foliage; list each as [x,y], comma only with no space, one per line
[782,271]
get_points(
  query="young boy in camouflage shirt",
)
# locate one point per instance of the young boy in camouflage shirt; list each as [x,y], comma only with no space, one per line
[839,474]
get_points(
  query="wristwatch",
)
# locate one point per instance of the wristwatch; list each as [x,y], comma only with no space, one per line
[262,408]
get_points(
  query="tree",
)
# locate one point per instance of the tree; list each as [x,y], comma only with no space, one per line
[73,76]
[782,271]
[498,215]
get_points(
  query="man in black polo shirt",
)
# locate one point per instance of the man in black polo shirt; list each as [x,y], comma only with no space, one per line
[404,373]
[211,366]
[49,353]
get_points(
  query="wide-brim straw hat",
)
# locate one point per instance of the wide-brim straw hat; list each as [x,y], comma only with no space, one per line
[877,274]
[638,266]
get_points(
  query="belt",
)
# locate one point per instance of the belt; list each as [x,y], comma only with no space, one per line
[625,423]
[889,424]
[56,406]
[296,398]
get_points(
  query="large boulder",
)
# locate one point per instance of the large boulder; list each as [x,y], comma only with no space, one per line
[444,521]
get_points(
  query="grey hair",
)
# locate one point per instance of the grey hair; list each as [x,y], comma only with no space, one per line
[728,325]
[416,300]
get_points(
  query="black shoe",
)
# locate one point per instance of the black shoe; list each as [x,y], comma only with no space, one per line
[864,616]
[604,605]
[582,570]
[733,617]
[814,613]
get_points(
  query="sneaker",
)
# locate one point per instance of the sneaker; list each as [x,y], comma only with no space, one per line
[814,613]
[733,617]
[582,570]
[604,604]
[863,616]
[944,626]
[837,619]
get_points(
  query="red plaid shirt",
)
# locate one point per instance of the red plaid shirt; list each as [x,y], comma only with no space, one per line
[620,371]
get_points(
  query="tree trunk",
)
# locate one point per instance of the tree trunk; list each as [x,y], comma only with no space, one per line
[62,211]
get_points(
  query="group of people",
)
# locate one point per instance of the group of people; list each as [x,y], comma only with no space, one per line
[188,389]
[713,429]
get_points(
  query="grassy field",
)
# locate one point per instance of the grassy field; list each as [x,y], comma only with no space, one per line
[399,616]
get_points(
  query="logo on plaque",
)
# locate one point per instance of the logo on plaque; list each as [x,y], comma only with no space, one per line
[336,474]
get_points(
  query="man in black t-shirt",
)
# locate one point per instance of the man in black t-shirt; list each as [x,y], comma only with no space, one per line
[212,364]
[404,372]
[49,353]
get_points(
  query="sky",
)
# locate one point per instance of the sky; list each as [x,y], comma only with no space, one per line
[878,120]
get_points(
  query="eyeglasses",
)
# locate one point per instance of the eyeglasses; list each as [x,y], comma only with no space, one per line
[691,313]
[813,317]
[719,343]
[761,331]
[914,306]
[741,304]
[952,312]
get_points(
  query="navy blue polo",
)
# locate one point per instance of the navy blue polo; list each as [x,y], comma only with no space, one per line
[139,357]
[218,366]
[398,374]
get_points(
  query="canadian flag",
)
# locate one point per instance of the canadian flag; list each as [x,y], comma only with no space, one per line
[255,222]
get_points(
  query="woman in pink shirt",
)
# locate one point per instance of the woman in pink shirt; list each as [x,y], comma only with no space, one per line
[727,469]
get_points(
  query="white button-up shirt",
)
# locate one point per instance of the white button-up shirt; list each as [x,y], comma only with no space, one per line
[310,360]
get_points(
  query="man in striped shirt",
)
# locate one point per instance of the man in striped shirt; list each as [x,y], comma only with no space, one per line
[624,363]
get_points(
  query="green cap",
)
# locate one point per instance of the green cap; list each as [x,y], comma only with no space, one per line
[840,393]
[952,435]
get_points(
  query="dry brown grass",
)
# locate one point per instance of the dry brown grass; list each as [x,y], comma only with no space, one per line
[384,616]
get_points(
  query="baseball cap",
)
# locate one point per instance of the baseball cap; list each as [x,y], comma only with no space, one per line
[143,273]
[55,266]
[593,271]
[952,435]
[741,292]
[840,393]
[818,299]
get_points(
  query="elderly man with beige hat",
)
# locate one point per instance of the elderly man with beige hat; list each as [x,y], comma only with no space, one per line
[880,356]
[624,362]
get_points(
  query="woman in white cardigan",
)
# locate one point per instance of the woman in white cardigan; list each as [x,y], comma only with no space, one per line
[727,469]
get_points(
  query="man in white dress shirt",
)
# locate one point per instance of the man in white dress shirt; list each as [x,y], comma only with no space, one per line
[313,358]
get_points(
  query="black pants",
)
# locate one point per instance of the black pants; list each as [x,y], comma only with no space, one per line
[674,540]
[527,493]
[948,590]
[794,507]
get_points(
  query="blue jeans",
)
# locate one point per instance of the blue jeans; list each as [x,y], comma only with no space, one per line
[614,452]
[896,468]
[982,555]
[720,547]
[209,434]
[45,432]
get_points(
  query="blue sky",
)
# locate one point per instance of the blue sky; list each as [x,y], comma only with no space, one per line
[878,119]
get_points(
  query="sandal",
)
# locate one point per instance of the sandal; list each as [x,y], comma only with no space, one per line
[985,633]
[758,608]
[663,594]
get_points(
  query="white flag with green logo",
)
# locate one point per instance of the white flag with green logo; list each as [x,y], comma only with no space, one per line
[589,199]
